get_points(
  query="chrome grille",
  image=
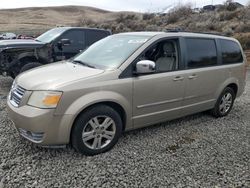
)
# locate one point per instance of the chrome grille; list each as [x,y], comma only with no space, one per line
[16,95]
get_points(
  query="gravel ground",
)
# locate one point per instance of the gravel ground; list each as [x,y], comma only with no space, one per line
[195,151]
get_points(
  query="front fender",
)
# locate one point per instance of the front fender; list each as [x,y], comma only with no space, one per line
[18,59]
[26,54]
[87,100]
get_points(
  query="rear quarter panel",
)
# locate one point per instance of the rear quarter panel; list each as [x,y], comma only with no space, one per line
[233,74]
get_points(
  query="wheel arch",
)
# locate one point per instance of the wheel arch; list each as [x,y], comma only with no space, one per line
[114,105]
[234,86]
[29,58]
[26,57]
[232,83]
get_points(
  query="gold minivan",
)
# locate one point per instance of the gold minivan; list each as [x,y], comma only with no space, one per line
[123,82]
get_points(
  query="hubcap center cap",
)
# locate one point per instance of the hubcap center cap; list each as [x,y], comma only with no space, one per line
[98,131]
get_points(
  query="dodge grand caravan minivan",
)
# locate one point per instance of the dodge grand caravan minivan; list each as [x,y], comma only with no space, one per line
[123,82]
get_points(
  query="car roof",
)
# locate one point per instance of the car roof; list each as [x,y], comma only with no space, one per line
[142,33]
[85,28]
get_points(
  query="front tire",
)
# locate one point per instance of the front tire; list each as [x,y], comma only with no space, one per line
[224,103]
[96,130]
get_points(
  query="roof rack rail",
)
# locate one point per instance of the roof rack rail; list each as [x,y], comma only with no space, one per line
[209,33]
[182,30]
[178,29]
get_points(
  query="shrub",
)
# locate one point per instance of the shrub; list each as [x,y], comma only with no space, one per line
[228,31]
[148,16]
[179,12]
[120,18]
[131,17]
[225,15]
[85,22]
[243,28]
[244,39]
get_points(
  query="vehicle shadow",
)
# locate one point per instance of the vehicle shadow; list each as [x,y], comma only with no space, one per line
[152,129]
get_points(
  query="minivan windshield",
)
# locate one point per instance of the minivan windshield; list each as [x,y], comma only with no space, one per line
[50,35]
[110,52]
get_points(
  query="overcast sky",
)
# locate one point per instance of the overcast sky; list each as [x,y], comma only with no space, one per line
[114,5]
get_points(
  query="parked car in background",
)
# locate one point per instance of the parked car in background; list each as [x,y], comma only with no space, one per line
[7,36]
[55,45]
[25,37]
[123,82]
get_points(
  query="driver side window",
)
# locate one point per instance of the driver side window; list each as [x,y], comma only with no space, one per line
[77,40]
[164,54]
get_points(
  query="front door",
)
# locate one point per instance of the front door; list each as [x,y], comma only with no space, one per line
[77,39]
[159,96]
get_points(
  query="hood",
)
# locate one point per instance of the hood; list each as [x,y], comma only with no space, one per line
[50,77]
[17,43]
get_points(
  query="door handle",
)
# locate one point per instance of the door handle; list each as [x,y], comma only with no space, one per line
[193,76]
[178,78]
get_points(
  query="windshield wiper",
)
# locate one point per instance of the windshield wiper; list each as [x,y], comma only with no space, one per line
[83,63]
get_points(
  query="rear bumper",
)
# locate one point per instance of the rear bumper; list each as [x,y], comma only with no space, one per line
[41,126]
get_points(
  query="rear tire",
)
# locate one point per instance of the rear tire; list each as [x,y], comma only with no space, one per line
[29,66]
[224,103]
[96,130]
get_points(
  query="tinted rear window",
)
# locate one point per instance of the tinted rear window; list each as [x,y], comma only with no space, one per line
[201,53]
[92,36]
[231,52]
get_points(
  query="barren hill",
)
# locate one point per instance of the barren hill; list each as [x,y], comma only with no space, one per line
[48,17]
[227,20]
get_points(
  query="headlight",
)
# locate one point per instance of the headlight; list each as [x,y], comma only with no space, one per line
[13,84]
[45,99]
[12,87]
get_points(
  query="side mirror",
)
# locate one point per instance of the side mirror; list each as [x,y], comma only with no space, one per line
[145,66]
[63,42]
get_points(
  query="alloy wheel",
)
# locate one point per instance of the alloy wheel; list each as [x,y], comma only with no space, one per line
[99,132]
[226,103]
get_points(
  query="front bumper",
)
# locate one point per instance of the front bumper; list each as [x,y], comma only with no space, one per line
[41,126]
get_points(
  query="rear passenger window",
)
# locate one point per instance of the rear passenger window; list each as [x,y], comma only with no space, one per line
[231,52]
[201,53]
[93,36]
